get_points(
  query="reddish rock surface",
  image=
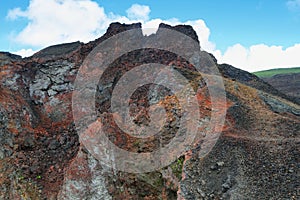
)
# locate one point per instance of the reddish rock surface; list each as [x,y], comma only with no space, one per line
[41,157]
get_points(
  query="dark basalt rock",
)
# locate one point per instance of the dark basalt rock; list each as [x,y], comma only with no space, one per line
[6,58]
[58,50]
[185,29]
[9,56]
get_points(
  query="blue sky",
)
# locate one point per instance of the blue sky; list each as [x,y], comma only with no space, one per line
[252,35]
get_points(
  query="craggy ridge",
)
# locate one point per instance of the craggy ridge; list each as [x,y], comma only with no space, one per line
[41,157]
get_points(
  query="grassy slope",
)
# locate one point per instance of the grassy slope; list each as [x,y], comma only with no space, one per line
[272,72]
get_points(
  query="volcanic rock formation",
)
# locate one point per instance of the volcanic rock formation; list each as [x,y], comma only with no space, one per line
[41,156]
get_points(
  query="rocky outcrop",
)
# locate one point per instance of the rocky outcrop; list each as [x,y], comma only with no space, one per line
[286,83]
[41,157]
[185,29]
[57,51]
[6,58]
[254,81]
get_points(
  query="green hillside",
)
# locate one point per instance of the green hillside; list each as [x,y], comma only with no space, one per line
[272,72]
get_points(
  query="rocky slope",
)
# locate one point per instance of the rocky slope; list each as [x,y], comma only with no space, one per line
[41,157]
[286,83]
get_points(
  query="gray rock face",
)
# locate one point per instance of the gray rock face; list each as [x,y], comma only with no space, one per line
[92,188]
[278,105]
[38,87]
[6,142]
[50,80]
[11,82]
[8,58]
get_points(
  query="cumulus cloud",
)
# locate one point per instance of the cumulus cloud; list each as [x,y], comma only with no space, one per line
[203,33]
[60,21]
[25,52]
[56,21]
[199,26]
[15,13]
[138,12]
[261,57]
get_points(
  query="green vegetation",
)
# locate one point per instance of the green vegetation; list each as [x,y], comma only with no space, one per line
[272,72]
[177,167]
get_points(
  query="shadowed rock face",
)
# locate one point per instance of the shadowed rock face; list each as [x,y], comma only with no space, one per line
[286,83]
[41,157]
[56,51]
[185,29]
[6,58]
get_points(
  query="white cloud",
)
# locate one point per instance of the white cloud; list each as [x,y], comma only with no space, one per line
[138,12]
[199,26]
[203,33]
[60,21]
[15,13]
[57,21]
[25,52]
[293,5]
[261,57]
